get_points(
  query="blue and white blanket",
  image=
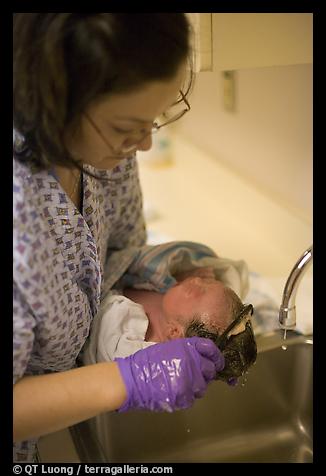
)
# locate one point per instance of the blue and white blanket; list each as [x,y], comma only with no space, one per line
[153,267]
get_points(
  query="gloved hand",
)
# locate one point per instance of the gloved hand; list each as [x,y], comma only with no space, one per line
[169,376]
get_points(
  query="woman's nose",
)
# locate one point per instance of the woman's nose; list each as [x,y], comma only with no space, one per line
[146,143]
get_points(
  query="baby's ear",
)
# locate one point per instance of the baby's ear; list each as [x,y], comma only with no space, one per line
[175,330]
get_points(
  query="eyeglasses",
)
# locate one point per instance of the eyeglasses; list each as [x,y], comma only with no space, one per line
[243,318]
[167,118]
[171,115]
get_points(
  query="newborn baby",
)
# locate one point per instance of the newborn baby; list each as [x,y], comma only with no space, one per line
[194,298]
[197,305]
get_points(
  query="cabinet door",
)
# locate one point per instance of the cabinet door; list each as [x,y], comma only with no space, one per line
[229,41]
[253,40]
[202,41]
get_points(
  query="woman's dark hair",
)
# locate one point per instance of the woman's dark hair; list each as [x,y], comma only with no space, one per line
[63,62]
[240,350]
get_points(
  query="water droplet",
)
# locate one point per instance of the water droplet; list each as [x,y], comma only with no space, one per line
[284,347]
[188,430]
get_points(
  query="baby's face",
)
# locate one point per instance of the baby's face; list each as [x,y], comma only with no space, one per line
[200,297]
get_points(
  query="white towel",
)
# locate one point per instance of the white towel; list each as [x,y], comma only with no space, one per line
[118,330]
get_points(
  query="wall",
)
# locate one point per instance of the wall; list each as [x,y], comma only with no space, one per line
[268,137]
[193,196]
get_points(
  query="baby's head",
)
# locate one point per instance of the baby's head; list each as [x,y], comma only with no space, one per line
[207,308]
[205,300]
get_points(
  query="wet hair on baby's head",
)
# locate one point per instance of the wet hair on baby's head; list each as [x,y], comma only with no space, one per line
[239,350]
[240,353]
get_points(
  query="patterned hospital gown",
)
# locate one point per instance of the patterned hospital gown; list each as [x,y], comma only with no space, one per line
[60,260]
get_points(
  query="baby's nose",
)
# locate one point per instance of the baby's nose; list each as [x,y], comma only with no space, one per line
[203,281]
[196,280]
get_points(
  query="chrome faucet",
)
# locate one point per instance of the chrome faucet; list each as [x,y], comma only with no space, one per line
[287,314]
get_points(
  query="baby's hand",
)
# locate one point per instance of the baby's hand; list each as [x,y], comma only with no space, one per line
[207,272]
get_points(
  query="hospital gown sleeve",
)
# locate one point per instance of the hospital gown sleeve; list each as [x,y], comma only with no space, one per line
[23,333]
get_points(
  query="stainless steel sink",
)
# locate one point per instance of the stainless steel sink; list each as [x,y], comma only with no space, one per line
[265,420]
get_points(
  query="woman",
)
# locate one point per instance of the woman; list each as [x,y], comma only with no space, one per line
[87,91]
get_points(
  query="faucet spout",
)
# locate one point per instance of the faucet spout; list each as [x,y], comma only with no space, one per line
[287,313]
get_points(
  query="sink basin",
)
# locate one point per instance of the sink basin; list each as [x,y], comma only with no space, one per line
[266,419]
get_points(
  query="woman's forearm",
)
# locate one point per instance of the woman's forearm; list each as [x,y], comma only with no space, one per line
[47,403]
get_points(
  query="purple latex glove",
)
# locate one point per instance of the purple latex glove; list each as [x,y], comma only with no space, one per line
[169,376]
